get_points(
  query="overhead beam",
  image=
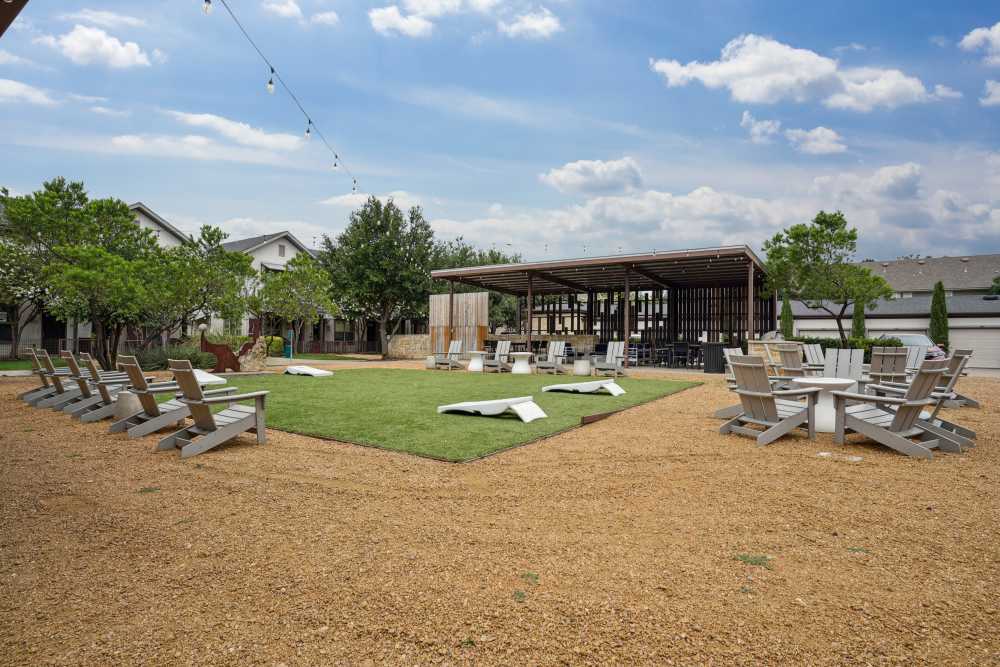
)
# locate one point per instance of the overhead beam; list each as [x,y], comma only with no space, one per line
[558,281]
[649,275]
[9,9]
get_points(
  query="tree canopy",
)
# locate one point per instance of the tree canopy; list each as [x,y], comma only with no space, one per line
[458,253]
[300,294]
[814,263]
[938,329]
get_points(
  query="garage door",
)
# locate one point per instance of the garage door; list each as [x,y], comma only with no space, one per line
[984,343]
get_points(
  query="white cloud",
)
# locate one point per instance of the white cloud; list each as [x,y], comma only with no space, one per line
[325,18]
[946,93]
[389,20]
[940,40]
[288,9]
[241,133]
[188,147]
[432,8]
[8,58]
[595,176]
[85,46]
[540,24]
[853,46]
[761,131]
[761,70]
[991,94]
[817,141]
[987,39]
[87,99]
[353,200]
[104,18]
[159,57]
[898,181]
[108,111]
[15,91]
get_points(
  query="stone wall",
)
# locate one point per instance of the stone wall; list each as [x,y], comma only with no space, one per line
[410,346]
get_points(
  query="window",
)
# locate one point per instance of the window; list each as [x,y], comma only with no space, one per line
[281,250]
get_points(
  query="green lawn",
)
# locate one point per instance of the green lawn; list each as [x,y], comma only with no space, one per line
[25,365]
[396,409]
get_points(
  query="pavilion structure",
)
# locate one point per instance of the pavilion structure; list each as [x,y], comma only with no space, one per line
[663,297]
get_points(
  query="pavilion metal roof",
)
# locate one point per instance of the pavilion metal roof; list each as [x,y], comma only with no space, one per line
[698,267]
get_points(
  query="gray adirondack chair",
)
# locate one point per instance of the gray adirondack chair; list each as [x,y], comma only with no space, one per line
[897,427]
[450,360]
[65,390]
[764,406]
[555,357]
[888,365]
[814,356]
[88,381]
[612,362]
[500,361]
[847,364]
[212,429]
[728,413]
[46,388]
[915,355]
[107,386]
[790,365]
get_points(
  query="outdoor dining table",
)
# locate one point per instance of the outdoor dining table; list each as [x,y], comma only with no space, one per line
[476,358]
[521,365]
[826,414]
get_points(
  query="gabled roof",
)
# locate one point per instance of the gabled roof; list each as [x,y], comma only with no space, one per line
[250,244]
[957,273]
[152,215]
[959,305]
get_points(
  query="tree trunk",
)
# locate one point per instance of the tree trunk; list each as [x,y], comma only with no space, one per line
[300,335]
[21,321]
[101,344]
[840,326]
[383,334]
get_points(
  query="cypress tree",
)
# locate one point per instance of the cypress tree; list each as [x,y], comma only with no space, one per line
[787,323]
[939,316]
[858,321]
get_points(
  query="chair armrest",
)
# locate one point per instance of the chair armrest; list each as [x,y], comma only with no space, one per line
[889,388]
[162,389]
[757,394]
[114,382]
[214,392]
[868,398]
[229,399]
[796,392]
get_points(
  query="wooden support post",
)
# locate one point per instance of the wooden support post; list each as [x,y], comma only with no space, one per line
[531,304]
[750,318]
[627,324]
[451,313]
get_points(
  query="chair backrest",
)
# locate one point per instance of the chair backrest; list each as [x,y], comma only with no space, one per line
[915,355]
[74,372]
[616,351]
[188,383]
[751,375]
[814,353]
[844,363]
[502,351]
[95,374]
[141,389]
[956,365]
[728,353]
[925,381]
[455,348]
[124,359]
[791,361]
[556,349]
[888,365]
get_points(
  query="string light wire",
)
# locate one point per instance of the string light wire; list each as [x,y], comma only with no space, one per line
[311,127]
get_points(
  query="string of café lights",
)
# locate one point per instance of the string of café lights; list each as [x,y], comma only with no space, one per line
[274,75]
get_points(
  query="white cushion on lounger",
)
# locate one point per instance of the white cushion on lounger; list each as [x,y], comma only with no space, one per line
[523,406]
[307,370]
[591,387]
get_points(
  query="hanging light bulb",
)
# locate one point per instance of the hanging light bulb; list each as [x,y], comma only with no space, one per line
[207,7]
[309,128]
[270,82]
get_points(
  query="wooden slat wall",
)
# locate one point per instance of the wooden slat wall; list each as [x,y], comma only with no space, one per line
[471,320]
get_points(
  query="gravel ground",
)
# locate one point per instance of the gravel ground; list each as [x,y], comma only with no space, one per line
[618,542]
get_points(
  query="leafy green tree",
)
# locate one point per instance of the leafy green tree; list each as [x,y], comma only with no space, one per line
[858,321]
[300,294]
[995,288]
[380,265]
[94,257]
[21,289]
[787,321]
[458,253]
[813,262]
[939,316]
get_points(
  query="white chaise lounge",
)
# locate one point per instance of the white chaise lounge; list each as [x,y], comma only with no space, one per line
[592,387]
[523,406]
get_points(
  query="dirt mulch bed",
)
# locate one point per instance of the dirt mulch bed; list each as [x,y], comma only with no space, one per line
[614,542]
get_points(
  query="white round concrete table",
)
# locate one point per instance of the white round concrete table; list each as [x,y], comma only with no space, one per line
[476,360]
[521,365]
[826,415]
[581,366]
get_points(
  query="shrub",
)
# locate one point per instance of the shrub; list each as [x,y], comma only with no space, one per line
[275,345]
[234,342]
[155,359]
[939,316]
[865,344]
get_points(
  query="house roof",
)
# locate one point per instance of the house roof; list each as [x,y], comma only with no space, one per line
[254,242]
[957,273]
[959,305]
[154,216]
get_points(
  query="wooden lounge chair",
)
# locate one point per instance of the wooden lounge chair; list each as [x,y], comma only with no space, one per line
[523,406]
[554,359]
[500,361]
[107,387]
[88,380]
[767,407]
[65,391]
[211,430]
[790,361]
[612,360]
[814,356]
[728,413]
[888,365]
[592,387]
[450,360]
[915,355]
[898,428]
[46,388]
[153,416]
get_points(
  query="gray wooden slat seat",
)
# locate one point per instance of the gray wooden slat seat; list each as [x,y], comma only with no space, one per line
[888,365]
[555,357]
[612,362]
[45,389]
[729,353]
[64,393]
[790,361]
[211,430]
[500,360]
[451,359]
[764,406]
[98,389]
[895,421]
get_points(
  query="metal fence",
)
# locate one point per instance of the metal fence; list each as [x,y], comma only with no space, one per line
[345,347]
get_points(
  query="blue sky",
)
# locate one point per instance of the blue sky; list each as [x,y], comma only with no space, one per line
[556,129]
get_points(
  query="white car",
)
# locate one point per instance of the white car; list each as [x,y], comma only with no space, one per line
[933,351]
